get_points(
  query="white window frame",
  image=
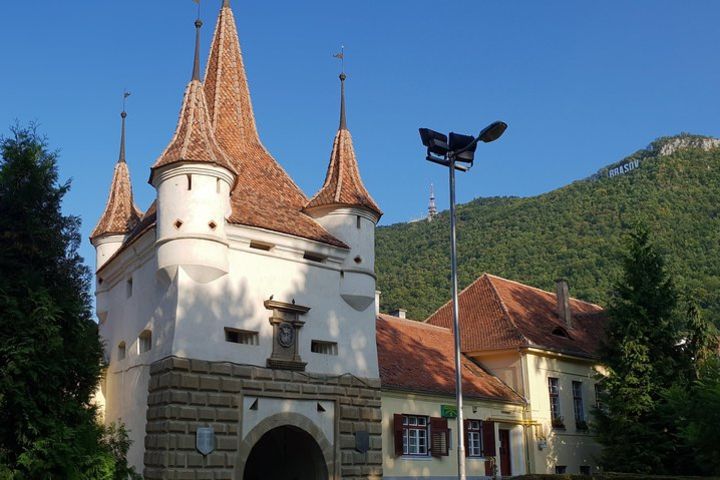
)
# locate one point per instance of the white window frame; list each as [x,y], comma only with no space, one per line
[554,396]
[416,435]
[474,437]
[578,406]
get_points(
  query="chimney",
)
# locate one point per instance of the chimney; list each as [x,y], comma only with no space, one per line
[400,313]
[563,302]
[377,302]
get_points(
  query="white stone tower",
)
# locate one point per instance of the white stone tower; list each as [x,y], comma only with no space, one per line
[193,178]
[345,208]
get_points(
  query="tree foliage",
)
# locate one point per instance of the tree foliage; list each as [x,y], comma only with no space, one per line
[50,354]
[653,351]
[573,232]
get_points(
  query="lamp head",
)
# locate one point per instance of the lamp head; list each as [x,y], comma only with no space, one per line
[492,132]
[436,142]
[466,143]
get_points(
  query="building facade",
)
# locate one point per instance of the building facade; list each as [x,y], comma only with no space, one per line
[242,328]
[236,312]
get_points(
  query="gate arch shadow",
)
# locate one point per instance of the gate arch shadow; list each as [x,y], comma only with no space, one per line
[288,422]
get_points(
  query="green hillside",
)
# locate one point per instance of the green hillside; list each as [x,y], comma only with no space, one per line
[573,232]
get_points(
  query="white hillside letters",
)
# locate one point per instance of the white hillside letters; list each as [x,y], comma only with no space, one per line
[624,168]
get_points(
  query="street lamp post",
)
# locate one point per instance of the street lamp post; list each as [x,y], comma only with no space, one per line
[460,148]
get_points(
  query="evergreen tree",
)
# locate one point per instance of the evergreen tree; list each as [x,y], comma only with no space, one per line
[643,359]
[50,354]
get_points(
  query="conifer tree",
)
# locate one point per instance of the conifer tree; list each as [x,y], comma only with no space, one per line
[50,354]
[643,359]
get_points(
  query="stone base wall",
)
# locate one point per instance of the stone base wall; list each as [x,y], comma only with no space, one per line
[185,394]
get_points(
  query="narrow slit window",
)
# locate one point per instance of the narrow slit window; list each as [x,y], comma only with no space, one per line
[121,351]
[243,337]
[324,348]
[129,287]
[314,257]
[357,221]
[189,179]
[145,341]
[217,185]
[261,246]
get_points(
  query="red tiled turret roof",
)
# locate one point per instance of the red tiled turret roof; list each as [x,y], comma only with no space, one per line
[264,195]
[194,140]
[499,314]
[343,185]
[418,357]
[120,215]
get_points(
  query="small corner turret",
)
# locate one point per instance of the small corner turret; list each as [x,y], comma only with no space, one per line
[120,215]
[345,208]
[193,178]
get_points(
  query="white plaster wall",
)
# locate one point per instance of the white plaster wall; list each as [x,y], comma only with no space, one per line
[151,306]
[236,300]
[446,467]
[197,198]
[504,365]
[105,247]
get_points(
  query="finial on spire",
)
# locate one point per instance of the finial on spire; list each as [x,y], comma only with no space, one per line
[226,4]
[341,56]
[123,115]
[196,64]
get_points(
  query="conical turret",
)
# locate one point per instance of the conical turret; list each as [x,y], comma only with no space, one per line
[278,201]
[120,215]
[343,186]
[345,208]
[193,178]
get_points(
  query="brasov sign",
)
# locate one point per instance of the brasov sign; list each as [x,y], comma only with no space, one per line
[624,168]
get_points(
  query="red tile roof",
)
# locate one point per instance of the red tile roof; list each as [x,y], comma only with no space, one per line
[417,357]
[343,185]
[120,215]
[499,314]
[194,139]
[264,195]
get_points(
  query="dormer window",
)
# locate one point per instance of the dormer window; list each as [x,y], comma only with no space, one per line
[561,332]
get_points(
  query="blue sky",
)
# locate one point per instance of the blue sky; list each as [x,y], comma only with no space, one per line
[580,83]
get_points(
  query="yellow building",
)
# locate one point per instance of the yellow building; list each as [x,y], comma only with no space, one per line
[529,376]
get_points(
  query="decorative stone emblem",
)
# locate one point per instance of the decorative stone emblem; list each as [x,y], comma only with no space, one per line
[205,440]
[286,335]
[286,324]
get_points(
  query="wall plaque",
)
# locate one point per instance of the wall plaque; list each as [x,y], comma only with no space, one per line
[362,441]
[205,440]
[286,323]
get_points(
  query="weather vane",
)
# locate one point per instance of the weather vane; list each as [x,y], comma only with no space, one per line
[341,56]
[126,94]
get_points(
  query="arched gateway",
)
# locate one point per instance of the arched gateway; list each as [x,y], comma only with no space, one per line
[286,453]
[285,446]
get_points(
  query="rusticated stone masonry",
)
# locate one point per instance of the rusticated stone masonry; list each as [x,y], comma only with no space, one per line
[185,394]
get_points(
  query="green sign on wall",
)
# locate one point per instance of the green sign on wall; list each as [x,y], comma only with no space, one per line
[448,411]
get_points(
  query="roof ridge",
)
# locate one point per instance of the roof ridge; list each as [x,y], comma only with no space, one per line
[541,290]
[417,323]
[450,301]
[505,310]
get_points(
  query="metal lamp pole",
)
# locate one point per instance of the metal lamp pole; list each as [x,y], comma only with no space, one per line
[459,148]
[456,325]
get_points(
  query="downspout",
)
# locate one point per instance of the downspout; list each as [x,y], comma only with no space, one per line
[526,414]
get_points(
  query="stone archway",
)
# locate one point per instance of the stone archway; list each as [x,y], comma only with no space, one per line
[286,446]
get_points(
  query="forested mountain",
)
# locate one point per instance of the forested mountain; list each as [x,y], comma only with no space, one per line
[574,232]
